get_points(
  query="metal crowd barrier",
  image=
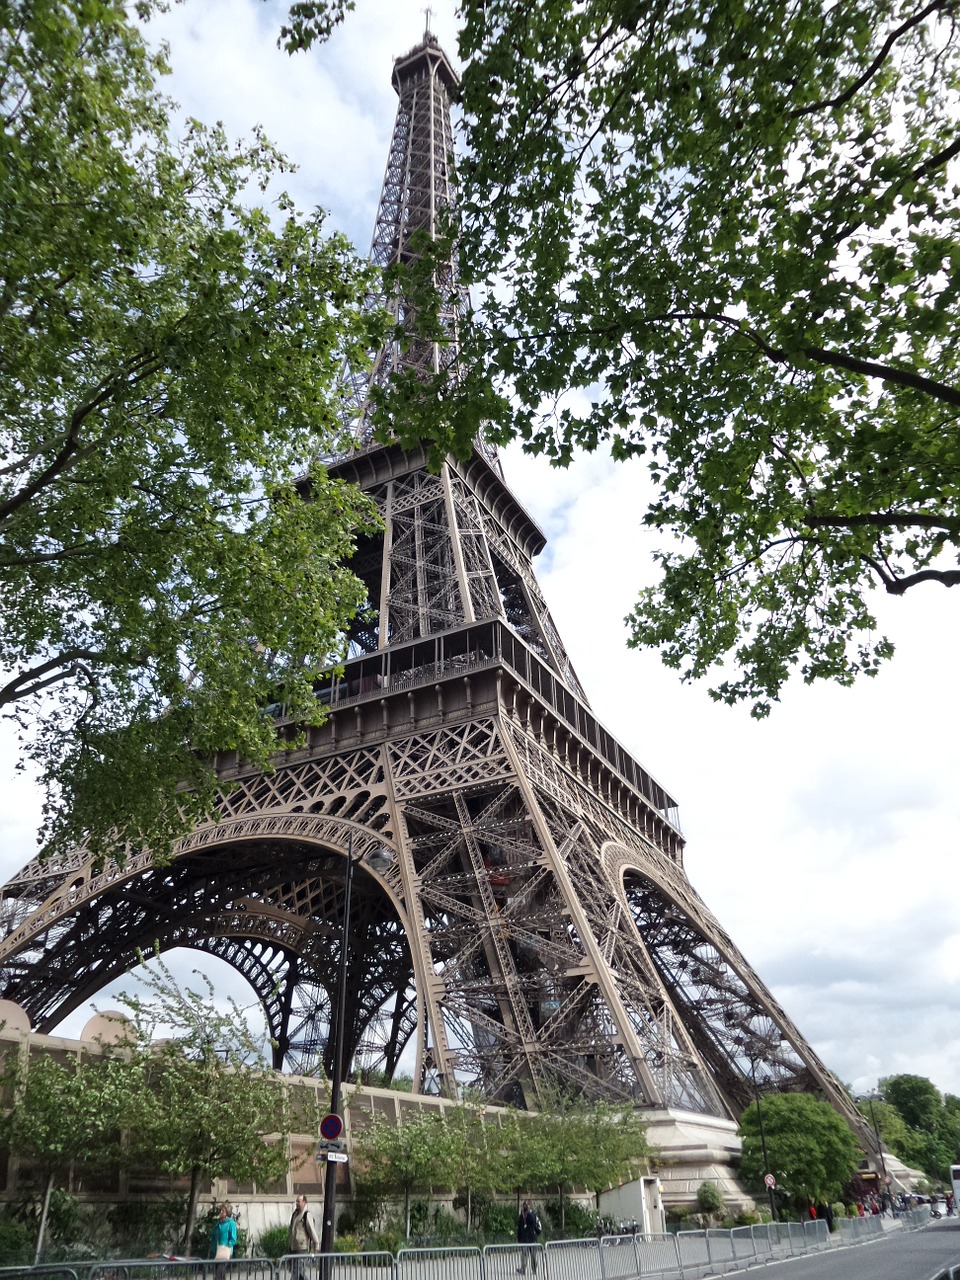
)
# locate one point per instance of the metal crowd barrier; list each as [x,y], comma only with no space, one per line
[915,1218]
[440,1264]
[620,1258]
[853,1229]
[330,1266]
[574,1259]
[657,1254]
[686,1255]
[501,1261]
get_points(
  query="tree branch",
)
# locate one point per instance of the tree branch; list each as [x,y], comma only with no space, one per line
[895,586]
[899,377]
[855,86]
[882,520]
[138,367]
[64,666]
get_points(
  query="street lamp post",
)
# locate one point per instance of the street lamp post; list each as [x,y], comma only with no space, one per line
[869,1099]
[378,860]
[763,1142]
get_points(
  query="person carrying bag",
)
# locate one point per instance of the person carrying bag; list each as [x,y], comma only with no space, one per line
[224,1238]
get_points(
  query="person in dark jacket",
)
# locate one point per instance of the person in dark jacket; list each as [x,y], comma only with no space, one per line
[528,1229]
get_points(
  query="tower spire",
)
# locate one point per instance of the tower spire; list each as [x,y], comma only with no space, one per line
[416,203]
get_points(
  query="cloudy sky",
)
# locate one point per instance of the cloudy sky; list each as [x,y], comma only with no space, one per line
[824,838]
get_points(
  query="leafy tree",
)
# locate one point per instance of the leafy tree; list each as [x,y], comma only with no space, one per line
[724,237]
[167,364]
[889,1124]
[930,1136]
[211,1109]
[587,1144]
[523,1153]
[473,1164]
[398,1159]
[916,1099]
[810,1148]
[65,1111]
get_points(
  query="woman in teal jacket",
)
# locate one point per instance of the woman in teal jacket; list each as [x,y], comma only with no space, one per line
[224,1234]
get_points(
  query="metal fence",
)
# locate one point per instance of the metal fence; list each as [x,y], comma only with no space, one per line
[331,1266]
[687,1255]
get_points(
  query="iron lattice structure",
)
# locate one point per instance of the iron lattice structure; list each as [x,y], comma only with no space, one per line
[417,202]
[536,929]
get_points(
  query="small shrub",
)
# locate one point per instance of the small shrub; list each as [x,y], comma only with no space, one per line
[839,1210]
[346,1244]
[443,1227]
[746,1219]
[364,1213]
[273,1242]
[140,1227]
[389,1240]
[203,1231]
[498,1222]
[578,1221]
[17,1243]
[419,1218]
[709,1199]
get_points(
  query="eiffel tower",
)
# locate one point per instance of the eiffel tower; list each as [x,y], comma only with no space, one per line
[536,930]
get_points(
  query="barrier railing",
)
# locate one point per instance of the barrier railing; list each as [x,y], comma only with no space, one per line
[914,1219]
[687,1255]
[501,1261]
[619,1257]
[331,1266]
[574,1259]
[465,1263]
[855,1229]
[657,1254]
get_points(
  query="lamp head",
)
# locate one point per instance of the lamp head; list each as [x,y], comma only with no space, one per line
[380,860]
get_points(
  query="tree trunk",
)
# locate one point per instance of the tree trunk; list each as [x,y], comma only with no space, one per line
[563,1215]
[406,1210]
[41,1230]
[192,1207]
[469,1210]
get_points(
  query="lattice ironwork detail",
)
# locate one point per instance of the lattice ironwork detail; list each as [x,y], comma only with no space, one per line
[418,200]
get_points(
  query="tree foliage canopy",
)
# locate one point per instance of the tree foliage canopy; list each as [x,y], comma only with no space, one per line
[182,1088]
[724,237]
[810,1148]
[209,1107]
[167,363]
[574,1143]
[924,1127]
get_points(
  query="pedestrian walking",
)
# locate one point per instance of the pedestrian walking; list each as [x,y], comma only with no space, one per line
[303,1236]
[528,1229]
[223,1238]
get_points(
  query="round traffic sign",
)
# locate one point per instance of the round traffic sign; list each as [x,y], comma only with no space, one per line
[331,1127]
[769,1180]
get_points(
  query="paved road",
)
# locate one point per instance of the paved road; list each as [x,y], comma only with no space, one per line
[897,1255]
